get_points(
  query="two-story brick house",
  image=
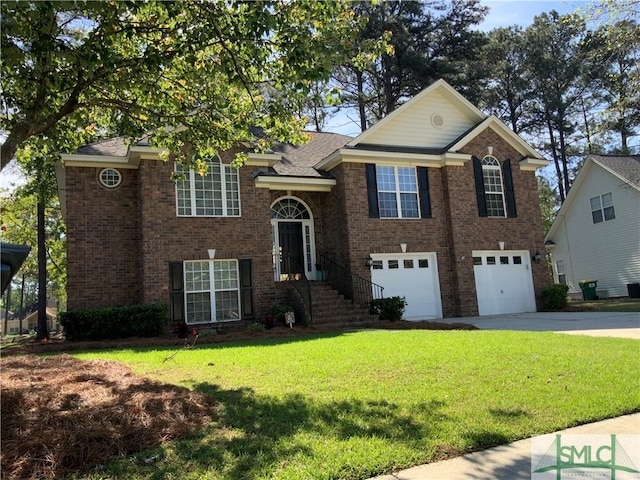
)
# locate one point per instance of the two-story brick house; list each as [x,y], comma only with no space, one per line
[437,202]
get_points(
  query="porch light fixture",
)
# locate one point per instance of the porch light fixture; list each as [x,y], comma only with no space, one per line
[369,262]
[536,257]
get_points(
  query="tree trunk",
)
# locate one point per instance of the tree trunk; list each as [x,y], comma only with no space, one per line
[556,161]
[361,106]
[587,129]
[43,330]
[565,163]
[7,306]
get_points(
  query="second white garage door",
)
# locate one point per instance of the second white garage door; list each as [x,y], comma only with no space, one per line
[504,283]
[413,276]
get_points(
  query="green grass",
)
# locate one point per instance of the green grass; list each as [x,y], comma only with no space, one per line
[354,405]
[609,304]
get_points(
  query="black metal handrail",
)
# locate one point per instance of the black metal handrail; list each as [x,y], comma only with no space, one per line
[354,287]
[300,283]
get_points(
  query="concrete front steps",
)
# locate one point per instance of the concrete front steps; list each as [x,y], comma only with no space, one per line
[330,309]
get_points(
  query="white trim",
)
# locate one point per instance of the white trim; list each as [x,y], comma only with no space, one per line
[505,133]
[311,246]
[303,184]
[132,159]
[212,290]
[104,184]
[262,159]
[352,155]
[532,164]
[106,161]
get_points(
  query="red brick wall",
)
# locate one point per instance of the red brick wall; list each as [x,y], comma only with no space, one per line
[120,241]
[167,237]
[454,231]
[103,240]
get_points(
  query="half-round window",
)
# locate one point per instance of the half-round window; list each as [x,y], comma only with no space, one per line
[110,177]
[290,209]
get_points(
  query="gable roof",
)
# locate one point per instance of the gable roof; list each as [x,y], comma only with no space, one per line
[512,138]
[627,167]
[624,167]
[430,130]
[438,93]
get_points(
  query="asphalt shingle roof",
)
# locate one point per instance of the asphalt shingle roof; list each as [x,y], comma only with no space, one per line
[297,160]
[628,166]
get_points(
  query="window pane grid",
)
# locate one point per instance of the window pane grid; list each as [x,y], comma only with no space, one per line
[493,189]
[197,277]
[602,208]
[227,306]
[199,307]
[215,194]
[225,274]
[397,192]
[212,286]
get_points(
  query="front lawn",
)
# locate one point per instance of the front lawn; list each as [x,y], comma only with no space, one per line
[354,405]
[622,304]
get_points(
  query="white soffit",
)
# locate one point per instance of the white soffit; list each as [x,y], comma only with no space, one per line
[301,184]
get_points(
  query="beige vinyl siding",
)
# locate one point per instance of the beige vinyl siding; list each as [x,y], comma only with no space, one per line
[608,251]
[413,127]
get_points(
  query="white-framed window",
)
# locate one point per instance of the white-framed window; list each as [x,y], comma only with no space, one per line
[212,291]
[561,272]
[216,194]
[602,208]
[493,186]
[110,177]
[397,192]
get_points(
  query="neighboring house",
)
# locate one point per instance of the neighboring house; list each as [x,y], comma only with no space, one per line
[437,203]
[596,234]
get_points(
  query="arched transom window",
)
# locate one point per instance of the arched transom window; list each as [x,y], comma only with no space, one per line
[289,209]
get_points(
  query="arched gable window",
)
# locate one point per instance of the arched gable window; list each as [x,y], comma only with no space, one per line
[494,187]
[216,194]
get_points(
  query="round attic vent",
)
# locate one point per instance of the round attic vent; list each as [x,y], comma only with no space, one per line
[437,120]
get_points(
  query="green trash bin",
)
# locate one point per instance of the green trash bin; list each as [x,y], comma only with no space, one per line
[588,288]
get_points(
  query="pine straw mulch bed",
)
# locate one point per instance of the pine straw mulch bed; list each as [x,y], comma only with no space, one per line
[61,414]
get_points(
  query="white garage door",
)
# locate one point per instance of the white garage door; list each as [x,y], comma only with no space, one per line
[413,276]
[504,283]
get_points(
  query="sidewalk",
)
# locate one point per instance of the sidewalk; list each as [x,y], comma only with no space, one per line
[507,462]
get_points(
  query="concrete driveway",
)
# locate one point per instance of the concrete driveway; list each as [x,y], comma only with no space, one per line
[597,324]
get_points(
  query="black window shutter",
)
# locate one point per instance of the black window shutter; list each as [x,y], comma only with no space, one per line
[510,196]
[479,179]
[423,189]
[372,190]
[176,285]
[246,290]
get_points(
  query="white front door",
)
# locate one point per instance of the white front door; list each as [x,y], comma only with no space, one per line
[413,276]
[504,282]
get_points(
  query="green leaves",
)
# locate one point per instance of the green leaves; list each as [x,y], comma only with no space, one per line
[215,69]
